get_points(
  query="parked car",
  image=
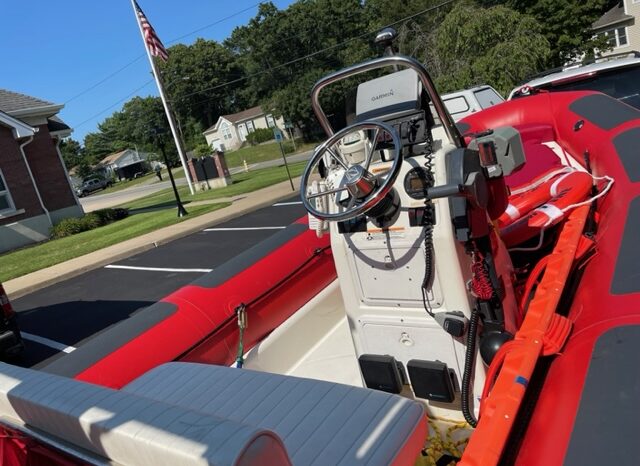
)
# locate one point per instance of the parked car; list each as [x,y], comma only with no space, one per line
[616,75]
[11,344]
[91,185]
[468,101]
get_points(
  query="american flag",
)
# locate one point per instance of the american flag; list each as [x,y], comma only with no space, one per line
[150,37]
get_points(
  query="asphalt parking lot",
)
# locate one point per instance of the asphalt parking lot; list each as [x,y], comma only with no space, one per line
[62,317]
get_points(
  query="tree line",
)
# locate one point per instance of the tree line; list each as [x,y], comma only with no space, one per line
[275,59]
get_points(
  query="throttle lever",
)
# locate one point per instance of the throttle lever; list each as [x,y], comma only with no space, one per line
[445,190]
[474,189]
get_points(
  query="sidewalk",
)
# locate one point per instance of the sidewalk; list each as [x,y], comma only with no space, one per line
[241,204]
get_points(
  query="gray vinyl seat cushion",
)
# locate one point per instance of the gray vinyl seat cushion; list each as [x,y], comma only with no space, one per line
[129,428]
[320,423]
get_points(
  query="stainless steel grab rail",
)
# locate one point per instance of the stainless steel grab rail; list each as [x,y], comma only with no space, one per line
[396,60]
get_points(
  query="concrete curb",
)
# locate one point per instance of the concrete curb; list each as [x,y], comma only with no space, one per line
[242,204]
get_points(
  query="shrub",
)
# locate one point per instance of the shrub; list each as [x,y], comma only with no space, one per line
[72,226]
[111,215]
[91,221]
[67,227]
[260,135]
[202,150]
[287,146]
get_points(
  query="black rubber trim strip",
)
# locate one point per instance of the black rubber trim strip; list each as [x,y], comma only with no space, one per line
[626,277]
[110,340]
[249,257]
[606,425]
[603,111]
[626,144]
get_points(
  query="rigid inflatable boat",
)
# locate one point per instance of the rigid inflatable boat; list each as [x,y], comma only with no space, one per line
[461,295]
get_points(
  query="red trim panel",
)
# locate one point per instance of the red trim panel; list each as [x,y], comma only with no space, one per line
[204,329]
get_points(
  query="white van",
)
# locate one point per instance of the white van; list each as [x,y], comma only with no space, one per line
[468,101]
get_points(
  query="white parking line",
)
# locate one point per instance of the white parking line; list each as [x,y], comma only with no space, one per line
[50,343]
[244,229]
[279,204]
[156,269]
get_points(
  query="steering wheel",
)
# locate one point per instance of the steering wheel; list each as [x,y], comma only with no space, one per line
[365,189]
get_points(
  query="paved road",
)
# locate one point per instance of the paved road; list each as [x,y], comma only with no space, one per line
[66,315]
[103,201]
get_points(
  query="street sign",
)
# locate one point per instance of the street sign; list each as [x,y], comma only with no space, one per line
[288,125]
[277,134]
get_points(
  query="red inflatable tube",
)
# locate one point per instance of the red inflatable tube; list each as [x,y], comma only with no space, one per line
[579,411]
[201,325]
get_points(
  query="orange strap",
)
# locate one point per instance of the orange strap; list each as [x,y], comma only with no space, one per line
[500,408]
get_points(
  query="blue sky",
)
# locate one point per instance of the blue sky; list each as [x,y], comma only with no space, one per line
[56,50]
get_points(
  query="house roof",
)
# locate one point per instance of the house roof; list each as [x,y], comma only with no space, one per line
[111,158]
[15,103]
[55,125]
[614,16]
[20,129]
[238,117]
[244,115]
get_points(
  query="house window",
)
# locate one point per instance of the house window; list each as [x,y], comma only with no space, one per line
[250,127]
[616,37]
[270,121]
[6,203]
[622,36]
[226,133]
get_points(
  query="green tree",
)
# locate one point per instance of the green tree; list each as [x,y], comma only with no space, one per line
[308,32]
[566,25]
[71,152]
[97,145]
[496,45]
[134,125]
[84,170]
[194,77]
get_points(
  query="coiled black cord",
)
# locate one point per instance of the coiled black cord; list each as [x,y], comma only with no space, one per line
[428,221]
[469,365]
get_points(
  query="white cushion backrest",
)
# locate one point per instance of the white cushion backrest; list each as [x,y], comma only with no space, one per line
[320,423]
[131,429]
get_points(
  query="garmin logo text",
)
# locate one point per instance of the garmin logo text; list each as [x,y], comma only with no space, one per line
[382,96]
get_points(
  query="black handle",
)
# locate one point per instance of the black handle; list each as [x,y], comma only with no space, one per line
[445,190]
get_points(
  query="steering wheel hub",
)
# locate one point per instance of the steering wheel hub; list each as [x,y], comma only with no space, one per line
[365,189]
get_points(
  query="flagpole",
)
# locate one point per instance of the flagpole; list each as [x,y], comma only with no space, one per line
[165,102]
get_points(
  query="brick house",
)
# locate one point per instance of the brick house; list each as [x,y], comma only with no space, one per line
[230,131]
[621,26]
[35,190]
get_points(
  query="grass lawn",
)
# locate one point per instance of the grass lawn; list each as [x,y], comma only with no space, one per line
[30,259]
[261,153]
[149,178]
[242,183]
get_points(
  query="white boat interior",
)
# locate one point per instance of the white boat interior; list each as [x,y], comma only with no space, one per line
[349,378]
